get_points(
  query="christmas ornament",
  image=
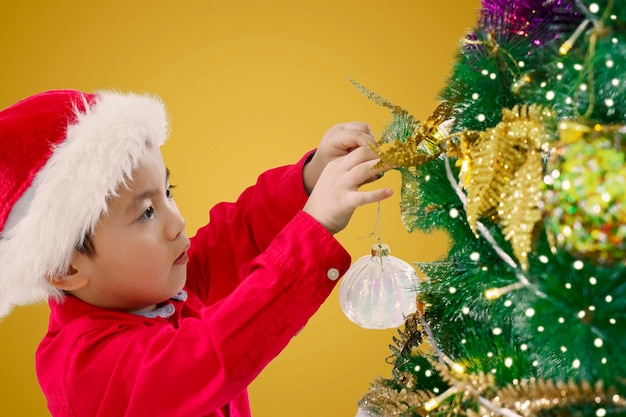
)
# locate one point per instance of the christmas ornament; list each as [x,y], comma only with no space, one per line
[586,201]
[379,290]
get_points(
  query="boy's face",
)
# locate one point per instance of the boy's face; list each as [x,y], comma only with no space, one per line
[140,245]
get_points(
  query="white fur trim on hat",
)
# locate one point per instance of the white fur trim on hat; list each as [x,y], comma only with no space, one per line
[69,194]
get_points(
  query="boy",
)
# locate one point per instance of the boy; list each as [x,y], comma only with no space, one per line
[145,322]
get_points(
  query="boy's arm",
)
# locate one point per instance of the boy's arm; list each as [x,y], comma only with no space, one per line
[238,232]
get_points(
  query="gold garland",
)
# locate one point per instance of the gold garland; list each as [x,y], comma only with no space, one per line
[502,171]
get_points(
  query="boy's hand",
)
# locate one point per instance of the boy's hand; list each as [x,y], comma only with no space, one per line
[338,141]
[336,194]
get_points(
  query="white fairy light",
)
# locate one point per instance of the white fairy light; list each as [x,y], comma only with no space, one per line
[548,180]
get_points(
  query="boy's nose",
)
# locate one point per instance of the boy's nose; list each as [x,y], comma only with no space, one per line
[176,224]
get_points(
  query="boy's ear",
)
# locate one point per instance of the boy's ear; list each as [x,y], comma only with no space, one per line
[71,281]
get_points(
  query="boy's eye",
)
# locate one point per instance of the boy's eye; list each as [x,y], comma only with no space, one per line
[168,191]
[148,214]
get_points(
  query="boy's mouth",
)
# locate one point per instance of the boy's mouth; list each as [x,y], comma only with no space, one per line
[182,259]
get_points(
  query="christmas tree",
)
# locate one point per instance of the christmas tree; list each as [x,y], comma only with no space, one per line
[523,165]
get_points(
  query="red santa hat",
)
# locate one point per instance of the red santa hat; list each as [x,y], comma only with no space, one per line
[63,154]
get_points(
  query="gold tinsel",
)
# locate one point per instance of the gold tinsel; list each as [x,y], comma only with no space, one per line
[424,141]
[389,402]
[502,173]
[410,341]
[424,145]
[385,399]
[529,398]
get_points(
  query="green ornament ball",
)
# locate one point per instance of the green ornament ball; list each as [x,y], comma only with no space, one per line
[585,201]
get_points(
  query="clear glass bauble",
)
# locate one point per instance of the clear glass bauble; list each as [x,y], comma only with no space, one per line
[379,290]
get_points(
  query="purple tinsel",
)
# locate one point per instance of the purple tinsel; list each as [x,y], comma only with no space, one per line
[541,20]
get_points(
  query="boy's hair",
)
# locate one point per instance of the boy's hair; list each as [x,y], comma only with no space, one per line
[86,246]
[64,153]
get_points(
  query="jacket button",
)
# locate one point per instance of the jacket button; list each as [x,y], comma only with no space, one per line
[332,274]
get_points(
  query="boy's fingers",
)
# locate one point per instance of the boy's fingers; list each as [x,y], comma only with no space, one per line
[374,178]
[349,140]
[367,197]
[364,171]
[357,126]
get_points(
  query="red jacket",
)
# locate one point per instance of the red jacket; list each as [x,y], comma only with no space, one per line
[257,272]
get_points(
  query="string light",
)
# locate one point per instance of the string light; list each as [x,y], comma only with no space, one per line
[434,402]
[495,293]
[569,43]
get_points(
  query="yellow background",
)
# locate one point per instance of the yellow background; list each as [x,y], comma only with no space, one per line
[249,85]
